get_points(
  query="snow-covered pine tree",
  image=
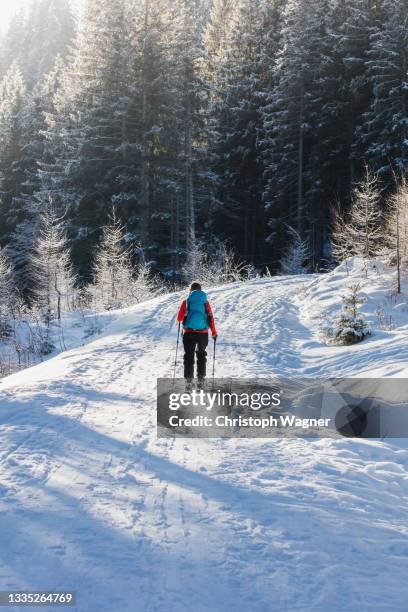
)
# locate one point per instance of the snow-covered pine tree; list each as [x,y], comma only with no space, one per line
[384,129]
[7,295]
[53,277]
[145,285]
[216,36]
[35,193]
[40,30]
[11,41]
[50,32]
[238,85]
[361,19]
[334,105]
[113,269]
[12,147]
[89,126]
[366,217]
[6,281]
[216,268]
[291,119]
[350,326]
[188,86]
[215,42]
[296,259]
[150,183]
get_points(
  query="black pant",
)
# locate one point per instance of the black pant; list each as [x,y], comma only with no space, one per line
[195,342]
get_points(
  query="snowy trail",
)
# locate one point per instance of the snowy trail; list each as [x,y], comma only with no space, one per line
[90,500]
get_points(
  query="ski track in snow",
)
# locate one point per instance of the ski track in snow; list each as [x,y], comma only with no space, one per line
[90,500]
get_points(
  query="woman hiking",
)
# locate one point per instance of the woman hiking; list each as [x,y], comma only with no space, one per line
[197,318]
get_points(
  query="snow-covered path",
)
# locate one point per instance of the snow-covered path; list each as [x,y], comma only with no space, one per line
[90,500]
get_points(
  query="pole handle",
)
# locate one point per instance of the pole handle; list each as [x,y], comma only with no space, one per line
[213,371]
[177,345]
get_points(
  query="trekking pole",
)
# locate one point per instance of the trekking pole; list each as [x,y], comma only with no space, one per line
[175,360]
[215,341]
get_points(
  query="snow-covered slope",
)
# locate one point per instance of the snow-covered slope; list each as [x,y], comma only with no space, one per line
[91,500]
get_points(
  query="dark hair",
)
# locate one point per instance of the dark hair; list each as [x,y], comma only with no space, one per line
[195,287]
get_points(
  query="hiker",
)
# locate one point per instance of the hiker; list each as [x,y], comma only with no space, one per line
[197,318]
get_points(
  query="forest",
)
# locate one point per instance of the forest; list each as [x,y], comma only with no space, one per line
[202,124]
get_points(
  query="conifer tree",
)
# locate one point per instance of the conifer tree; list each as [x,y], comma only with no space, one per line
[113,270]
[296,257]
[38,32]
[350,326]
[366,218]
[88,128]
[188,83]
[150,184]
[360,19]
[8,295]
[239,84]
[11,42]
[54,280]
[33,198]
[384,129]
[50,31]
[12,154]
[117,283]
[290,121]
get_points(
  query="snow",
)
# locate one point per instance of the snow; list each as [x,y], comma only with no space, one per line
[92,501]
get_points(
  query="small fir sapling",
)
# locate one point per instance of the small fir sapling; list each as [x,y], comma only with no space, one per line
[117,283]
[297,255]
[53,276]
[365,226]
[350,326]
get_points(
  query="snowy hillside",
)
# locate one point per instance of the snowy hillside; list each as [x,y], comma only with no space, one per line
[92,501]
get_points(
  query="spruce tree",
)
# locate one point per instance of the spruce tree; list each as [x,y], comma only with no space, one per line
[117,282]
[8,295]
[37,33]
[54,280]
[34,196]
[189,87]
[366,217]
[290,121]
[12,40]
[239,85]
[350,327]
[384,130]
[88,126]
[12,148]
[296,257]
[151,192]
[360,20]
[50,31]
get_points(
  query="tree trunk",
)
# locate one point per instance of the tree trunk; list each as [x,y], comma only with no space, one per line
[404,106]
[190,208]
[299,212]
[177,232]
[145,196]
[398,257]
[188,134]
